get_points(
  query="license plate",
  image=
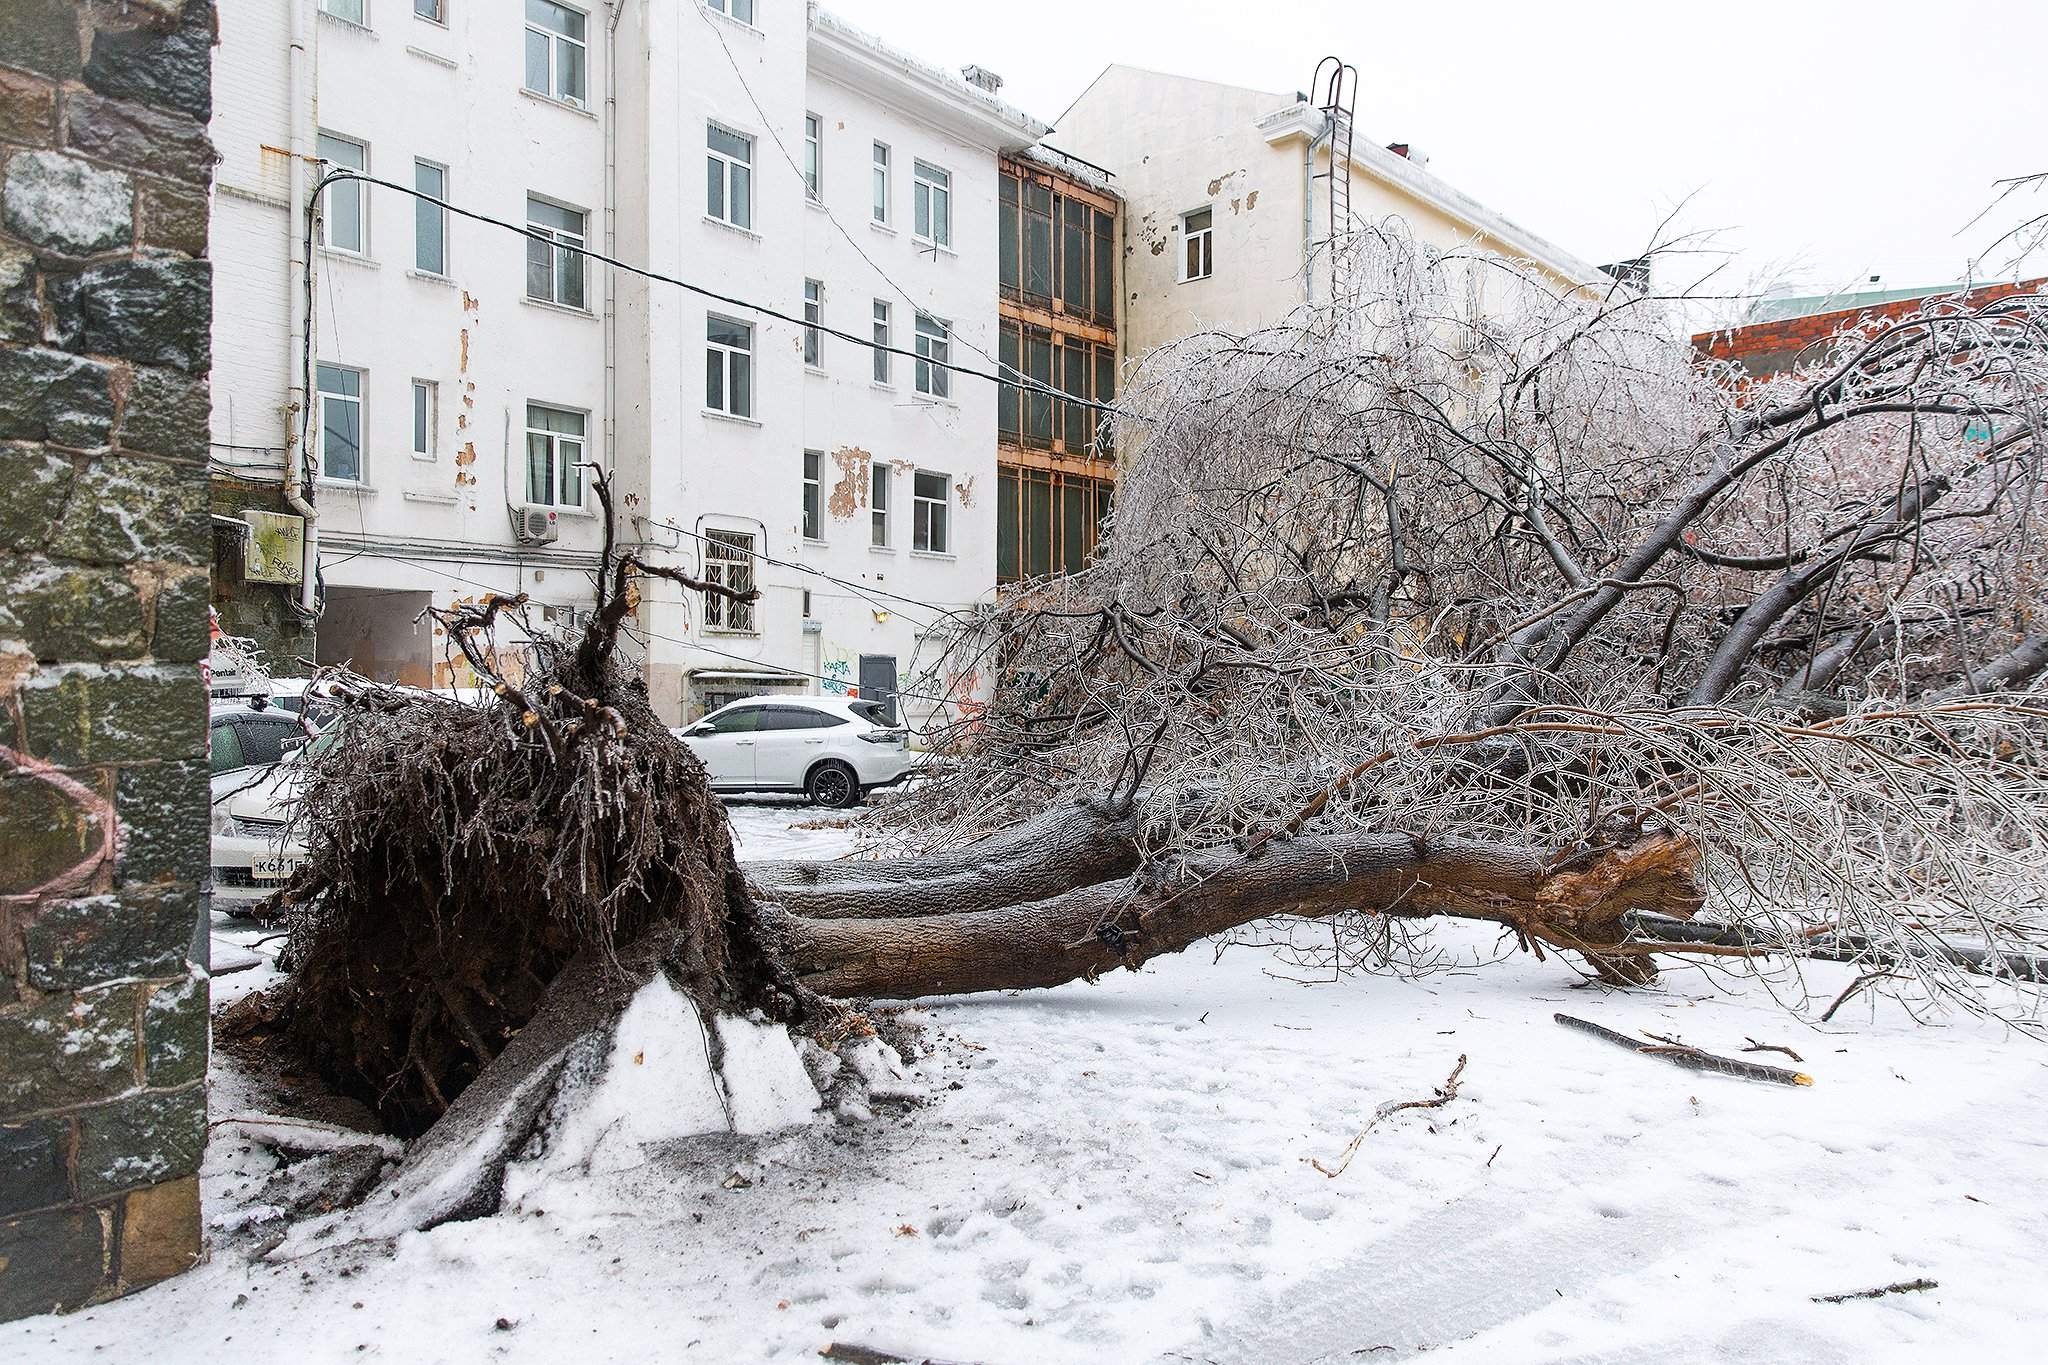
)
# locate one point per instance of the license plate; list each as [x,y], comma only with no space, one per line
[273,867]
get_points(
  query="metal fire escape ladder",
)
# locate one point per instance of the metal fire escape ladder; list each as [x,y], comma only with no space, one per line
[1335,90]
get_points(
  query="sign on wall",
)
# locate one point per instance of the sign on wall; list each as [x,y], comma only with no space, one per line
[277,547]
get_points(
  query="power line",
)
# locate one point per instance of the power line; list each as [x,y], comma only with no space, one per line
[860,588]
[1019,381]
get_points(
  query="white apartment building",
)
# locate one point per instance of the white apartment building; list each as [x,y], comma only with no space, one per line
[759,149]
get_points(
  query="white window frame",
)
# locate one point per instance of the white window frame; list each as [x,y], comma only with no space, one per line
[1199,243]
[360,17]
[426,419]
[922,519]
[882,356]
[439,16]
[732,568]
[932,380]
[814,496]
[725,163]
[565,450]
[878,504]
[729,9]
[730,356]
[881,184]
[421,210]
[557,255]
[556,40]
[814,158]
[814,319]
[931,200]
[352,193]
[352,400]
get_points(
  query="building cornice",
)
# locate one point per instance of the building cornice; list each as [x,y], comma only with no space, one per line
[840,52]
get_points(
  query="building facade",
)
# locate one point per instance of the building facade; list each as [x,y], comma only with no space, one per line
[1227,194]
[1061,238]
[460,377]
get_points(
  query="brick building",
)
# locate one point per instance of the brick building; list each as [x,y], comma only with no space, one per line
[105,300]
[1786,331]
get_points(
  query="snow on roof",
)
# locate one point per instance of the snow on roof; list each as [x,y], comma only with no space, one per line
[939,80]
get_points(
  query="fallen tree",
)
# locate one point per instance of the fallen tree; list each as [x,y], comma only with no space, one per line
[1412,610]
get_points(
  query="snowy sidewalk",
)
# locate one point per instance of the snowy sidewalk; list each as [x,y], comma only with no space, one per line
[1123,1174]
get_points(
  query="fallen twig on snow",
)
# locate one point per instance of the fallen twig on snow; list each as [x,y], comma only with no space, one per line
[1868,978]
[868,1355]
[1755,1046]
[1688,1056]
[305,1135]
[1902,1287]
[1445,1093]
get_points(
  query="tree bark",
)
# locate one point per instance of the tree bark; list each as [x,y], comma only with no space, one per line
[1088,929]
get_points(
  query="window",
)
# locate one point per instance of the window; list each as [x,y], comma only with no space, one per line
[436,10]
[554,448]
[799,718]
[351,10]
[1039,366]
[878,505]
[728,367]
[929,493]
[341,422]
[814,317]
[728,176]
[729,562]
[881,339]
[933,344]
[424,402]
[555,54]
[741,720]
[742,10]
[881,205]
[554,273]
[814,129]
[1047,523]
[1196,260]
[931,202]
[814,494]
[343,226]
[430,221]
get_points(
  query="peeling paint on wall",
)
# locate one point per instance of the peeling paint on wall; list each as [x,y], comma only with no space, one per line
[850,493]
[965,491]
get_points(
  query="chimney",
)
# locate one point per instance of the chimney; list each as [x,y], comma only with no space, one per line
[983,78]
[1408,153]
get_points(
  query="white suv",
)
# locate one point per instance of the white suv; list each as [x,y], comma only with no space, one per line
[832,749]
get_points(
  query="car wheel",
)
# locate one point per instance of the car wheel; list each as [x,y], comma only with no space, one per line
[833,784]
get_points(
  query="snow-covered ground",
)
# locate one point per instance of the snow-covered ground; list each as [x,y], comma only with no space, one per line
[1122,1172]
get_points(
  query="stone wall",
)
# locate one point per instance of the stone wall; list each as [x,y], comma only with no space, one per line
[105,296]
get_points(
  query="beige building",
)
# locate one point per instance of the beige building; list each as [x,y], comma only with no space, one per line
[1227,201]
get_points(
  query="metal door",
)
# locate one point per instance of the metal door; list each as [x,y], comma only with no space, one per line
[878,681]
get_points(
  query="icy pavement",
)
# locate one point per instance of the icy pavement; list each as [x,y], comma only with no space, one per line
[1123,1174]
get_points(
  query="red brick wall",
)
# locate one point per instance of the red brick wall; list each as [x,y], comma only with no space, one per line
[1766,348]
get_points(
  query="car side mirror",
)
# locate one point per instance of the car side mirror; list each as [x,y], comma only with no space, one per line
[700,728]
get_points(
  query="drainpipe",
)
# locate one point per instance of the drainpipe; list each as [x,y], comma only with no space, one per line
[611,236]
[300,98]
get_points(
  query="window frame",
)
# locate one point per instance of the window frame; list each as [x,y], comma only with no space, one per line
[426,420]
[814,321]
[923,520]
[355,400]
[559,253]
[1206,235]
[726,163]
[725,8]
[883,317]
[814,496]
[933,380]
[439,16]
[358,194]
[879,498]
[882,183]
[814,157]
[555,39]
[926,181]
[730,355]
[423,212]
[563,468]
[361,19]
[734,570]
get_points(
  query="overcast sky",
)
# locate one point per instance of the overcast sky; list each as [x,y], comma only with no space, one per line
[1834,139]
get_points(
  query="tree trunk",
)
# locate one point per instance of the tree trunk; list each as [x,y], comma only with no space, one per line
[980,944]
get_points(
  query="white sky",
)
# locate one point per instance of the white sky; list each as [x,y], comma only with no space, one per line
[1828,139]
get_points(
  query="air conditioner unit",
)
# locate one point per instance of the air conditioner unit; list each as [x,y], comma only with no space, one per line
[534,526]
